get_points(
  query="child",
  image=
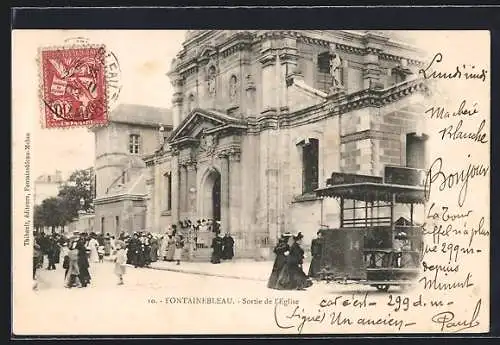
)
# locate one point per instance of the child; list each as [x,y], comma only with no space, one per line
[120,261]
[100,252]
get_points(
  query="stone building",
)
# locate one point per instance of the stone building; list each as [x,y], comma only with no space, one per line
[47,186]
[262,118]
[120,171]
[259,120]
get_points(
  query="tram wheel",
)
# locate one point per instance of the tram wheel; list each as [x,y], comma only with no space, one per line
[382,287]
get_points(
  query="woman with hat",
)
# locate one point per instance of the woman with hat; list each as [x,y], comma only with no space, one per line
[73,271]
[292,277]
[280,260]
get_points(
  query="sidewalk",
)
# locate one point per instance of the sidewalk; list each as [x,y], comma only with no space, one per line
[236,269]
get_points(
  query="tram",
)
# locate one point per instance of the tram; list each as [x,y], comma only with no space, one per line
[372,247]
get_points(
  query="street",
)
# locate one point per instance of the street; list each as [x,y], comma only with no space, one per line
[149,301]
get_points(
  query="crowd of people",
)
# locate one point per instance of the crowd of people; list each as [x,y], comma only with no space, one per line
[140,249]
[77,253]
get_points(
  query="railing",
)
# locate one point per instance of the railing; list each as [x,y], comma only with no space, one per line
[369,221]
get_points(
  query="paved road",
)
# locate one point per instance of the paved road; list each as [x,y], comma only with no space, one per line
[106,308]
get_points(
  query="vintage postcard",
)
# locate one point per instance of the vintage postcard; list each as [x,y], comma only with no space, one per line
[250,182]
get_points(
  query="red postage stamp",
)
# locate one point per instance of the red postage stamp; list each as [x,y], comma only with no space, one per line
[73,91]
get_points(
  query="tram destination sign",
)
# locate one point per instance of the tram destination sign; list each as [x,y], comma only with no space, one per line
[342,178]
[404,176]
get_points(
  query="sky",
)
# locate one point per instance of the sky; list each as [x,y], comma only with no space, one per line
[144,58]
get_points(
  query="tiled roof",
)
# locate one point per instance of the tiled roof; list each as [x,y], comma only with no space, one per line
[141,115]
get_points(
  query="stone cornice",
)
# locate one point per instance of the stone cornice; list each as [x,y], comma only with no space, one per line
[119,197]
[344,104]
[227,151]
[245,40]
[368,134]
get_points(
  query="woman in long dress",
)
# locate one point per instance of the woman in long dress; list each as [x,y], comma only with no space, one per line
[83,264]
[170,248]
[73,266]
[279,261]
[316,253]
[292,276]
[93,246]
[163,247]
[154,249]
[179,247]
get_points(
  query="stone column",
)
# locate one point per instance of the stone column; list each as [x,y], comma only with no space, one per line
[224,199]
[191,190]
[235,193]
[175,188]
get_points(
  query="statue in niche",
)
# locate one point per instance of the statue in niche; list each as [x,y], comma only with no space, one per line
[233,88]
[211,81]
[335,64]
[335,67]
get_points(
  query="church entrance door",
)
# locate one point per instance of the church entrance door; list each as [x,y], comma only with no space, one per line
[216,198]
[212,196]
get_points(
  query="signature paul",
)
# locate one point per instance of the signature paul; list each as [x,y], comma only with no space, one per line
[447,321]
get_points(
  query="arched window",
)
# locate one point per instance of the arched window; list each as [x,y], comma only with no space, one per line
[310,162]
[168,190]
[233,88]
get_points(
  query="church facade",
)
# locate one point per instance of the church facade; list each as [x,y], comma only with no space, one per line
[260,119]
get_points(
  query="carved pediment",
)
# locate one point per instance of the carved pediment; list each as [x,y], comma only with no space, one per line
[206,52]
[200,123]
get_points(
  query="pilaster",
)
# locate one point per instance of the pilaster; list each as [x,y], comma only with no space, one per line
[191,188]
[182,190]
[235,193]
[175,188]
[224,202]
[268,80]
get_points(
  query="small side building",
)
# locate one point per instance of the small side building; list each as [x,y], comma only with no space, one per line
[121,175]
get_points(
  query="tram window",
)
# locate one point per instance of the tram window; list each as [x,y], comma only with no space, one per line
[310,159]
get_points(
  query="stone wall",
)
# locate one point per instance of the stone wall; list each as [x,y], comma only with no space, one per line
[131,216]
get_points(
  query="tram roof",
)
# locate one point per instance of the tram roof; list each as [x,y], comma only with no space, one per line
[369,191]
